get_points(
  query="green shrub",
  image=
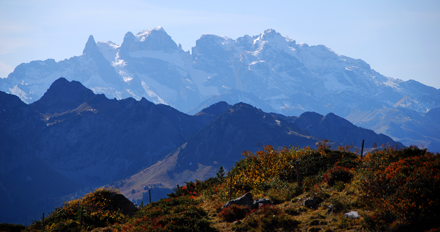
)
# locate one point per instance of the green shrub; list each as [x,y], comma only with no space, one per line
[280,192]
[171,214]
[11,227]
[336,174]
[267,218]
[292,211]
[95,210]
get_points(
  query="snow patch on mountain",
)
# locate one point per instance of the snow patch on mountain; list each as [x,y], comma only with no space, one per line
[20,93]
[152,95]
[392,83]
[141,36]
[119,65]
[108,50]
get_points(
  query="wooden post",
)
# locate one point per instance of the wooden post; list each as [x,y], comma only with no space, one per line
[298,174]
[230,189]
[362,149]
[81,217]
[149,194]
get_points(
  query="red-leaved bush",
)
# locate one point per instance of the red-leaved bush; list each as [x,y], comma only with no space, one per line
[406,190]
[234,213]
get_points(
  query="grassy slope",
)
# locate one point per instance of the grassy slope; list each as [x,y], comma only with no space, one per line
[391,190]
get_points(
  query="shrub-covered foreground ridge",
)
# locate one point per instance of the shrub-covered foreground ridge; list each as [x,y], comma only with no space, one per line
[392,190]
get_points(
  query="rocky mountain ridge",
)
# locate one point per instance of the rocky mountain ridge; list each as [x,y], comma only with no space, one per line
[72,139]
[270,71]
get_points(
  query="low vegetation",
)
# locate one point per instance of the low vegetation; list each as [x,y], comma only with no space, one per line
[392,190]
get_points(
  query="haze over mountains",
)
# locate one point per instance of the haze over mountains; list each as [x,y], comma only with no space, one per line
[72,140]
[269,71]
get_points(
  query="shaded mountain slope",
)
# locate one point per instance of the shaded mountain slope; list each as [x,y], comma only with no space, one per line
[342,131]
[72,140]
[240,128]
[96,140]
[27,185]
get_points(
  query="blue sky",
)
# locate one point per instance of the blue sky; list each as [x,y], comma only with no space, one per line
[399,39]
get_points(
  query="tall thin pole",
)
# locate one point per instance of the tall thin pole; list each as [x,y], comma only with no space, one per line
[362,150]
[298,174]
[81,217]
[230,189]
[149,194]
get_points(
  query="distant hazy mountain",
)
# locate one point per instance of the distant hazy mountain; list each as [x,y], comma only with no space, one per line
[269,71]
[72,140]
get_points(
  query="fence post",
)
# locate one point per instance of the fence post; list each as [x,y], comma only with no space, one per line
[298,174]
[81,217]
[230,188]
[362,149]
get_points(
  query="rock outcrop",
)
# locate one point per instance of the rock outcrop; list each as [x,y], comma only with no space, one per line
[246,200]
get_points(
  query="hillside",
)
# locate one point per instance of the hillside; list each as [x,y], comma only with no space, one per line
[386,190]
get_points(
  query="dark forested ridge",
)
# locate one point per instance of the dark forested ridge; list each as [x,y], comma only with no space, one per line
[72,140]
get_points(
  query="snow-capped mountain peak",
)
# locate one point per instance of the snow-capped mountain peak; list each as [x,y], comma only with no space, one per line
[152,40]
[274,42]
[273,36]
[270,69]
[141,36]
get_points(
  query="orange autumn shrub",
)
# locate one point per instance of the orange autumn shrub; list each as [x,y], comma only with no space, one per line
[403,190]
[190,189]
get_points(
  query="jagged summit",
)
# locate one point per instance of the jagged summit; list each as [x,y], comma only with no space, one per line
[129,36]
[145,33]
[272,34]
[269,71]
[154,40]
[91,46]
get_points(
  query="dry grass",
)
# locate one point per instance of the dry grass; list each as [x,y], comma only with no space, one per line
[310,219]
[320,218]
